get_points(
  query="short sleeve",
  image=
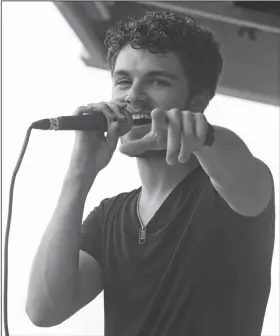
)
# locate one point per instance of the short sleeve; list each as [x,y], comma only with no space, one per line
[91,233]
[250,237]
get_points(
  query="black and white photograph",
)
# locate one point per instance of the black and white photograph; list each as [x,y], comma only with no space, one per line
[140,168]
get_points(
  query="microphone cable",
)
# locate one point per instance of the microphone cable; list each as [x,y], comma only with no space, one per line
[6,254]
[124,128]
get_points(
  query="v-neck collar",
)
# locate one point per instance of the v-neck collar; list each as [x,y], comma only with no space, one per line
[183,184]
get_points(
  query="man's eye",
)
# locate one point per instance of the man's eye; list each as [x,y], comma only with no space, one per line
[160,82]
[123,82]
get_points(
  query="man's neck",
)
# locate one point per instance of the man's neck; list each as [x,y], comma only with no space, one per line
[159,179]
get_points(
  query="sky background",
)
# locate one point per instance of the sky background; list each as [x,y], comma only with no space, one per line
[43,77]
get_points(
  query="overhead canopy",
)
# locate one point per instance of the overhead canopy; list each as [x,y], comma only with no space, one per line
[249,33]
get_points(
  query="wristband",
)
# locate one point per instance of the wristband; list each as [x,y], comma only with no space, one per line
[210,136]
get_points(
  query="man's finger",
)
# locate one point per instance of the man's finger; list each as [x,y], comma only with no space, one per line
[117,110]
[185,151]
[103,108]
[201,126]
[173,136]
[81,110]
[188,134]
[188,125]
[112,135]
[159,120]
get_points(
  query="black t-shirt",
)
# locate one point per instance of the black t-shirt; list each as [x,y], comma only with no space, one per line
[205,270]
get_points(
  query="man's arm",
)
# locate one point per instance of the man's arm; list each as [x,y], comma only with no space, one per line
[242,180]
[63,279]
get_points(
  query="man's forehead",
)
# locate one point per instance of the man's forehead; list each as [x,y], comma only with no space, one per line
[147,73]
[143,62]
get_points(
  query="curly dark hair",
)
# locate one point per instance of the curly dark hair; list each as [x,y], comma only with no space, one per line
[162,32]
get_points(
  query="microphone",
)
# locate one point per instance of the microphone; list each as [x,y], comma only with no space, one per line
[86,122]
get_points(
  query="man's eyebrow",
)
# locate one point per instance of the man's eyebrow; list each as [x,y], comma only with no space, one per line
[162,73]
[121,73]
[154,73]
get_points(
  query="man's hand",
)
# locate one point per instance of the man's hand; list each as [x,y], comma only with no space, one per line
[179,132]
[93,150]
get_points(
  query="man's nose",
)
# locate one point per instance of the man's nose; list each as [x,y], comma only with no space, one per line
[135,94]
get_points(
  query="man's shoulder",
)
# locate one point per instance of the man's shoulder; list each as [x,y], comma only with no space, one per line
[112,204]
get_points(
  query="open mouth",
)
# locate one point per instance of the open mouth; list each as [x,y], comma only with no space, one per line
[141,119]
[141,122]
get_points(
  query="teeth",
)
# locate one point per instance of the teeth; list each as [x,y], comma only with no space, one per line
[139,116]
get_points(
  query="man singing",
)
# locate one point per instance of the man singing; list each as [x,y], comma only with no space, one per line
[189,252]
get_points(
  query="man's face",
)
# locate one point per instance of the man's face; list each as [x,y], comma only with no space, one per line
[148,81]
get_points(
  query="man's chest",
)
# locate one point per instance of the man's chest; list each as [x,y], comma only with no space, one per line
[146,212]
[181,226]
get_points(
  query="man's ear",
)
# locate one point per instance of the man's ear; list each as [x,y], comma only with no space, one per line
[199,102]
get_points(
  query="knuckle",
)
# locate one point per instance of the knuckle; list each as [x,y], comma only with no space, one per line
[119,103]
[113,107]
[200,118]
[176,126]
[116,105]
[116,110]
[93,107]
[98,106]
[156,112]
[186,113]
[90,108]
[106,107]
[174,112]
[175,119]
[80,110]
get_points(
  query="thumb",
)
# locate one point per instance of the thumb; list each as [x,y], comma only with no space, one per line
[112,135]
[136,147]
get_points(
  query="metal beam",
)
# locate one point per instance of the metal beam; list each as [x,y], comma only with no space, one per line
[83,29]
[222,12]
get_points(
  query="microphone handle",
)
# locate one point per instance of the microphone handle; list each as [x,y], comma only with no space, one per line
[86,122]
